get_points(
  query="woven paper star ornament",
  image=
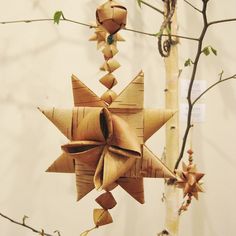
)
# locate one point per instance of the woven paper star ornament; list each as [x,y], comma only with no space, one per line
[107,142]
[189,180]
[107,135]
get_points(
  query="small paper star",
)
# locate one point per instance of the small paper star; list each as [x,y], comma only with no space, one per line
[189,180]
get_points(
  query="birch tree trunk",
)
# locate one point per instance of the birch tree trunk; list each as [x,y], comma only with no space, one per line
[172,135]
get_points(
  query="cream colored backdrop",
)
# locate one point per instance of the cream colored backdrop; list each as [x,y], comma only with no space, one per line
[36,61]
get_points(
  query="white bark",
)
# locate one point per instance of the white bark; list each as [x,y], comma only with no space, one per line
[172,135]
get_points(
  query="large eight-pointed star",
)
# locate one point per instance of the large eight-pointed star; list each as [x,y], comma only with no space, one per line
[107,142]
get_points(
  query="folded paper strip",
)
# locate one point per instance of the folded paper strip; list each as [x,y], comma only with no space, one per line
[107,142]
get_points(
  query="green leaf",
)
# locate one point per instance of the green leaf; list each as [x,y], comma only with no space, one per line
[57,16]
[214,51]
[139,2]
[206,51]
[188,62]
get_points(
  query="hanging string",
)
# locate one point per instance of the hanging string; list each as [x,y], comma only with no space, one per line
[85,233]
[190,151]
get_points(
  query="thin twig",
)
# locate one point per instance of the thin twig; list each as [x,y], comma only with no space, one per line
[93,26]
[195,66]
[212,86]
[193,76]
[190,4]
[221,21]
[151,6]
[155,35]
[49,19]
[24,21]
[24,225]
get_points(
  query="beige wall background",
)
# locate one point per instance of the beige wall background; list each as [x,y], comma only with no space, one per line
[36,61]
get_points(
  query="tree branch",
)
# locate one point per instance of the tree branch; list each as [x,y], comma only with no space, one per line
[27,226]
[221,21]
[155,34]
[48,19]
[193,76]
[195,66]
[191,105]
[93,26]
[191,5]
[212,86]
[151,6]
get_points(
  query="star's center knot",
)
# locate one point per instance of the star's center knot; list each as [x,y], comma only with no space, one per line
[107,143]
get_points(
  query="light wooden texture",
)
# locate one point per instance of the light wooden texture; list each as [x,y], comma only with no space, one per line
[61,118]
[84,179]
[64,164]
[149,166]
[132,96]
[133,186]
[172,135]
[83,96]
[154,119]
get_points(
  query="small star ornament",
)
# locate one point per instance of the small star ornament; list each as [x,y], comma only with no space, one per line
[106,145]
[188,180]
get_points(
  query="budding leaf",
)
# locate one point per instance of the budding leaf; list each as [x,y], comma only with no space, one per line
[24,219]
[206,51]
[58,232]
[57,16]
[188,62]
[139,2]
[214,51]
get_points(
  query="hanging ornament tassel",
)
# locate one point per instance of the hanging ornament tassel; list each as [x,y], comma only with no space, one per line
[111,17]
[188,180]
[102,216]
